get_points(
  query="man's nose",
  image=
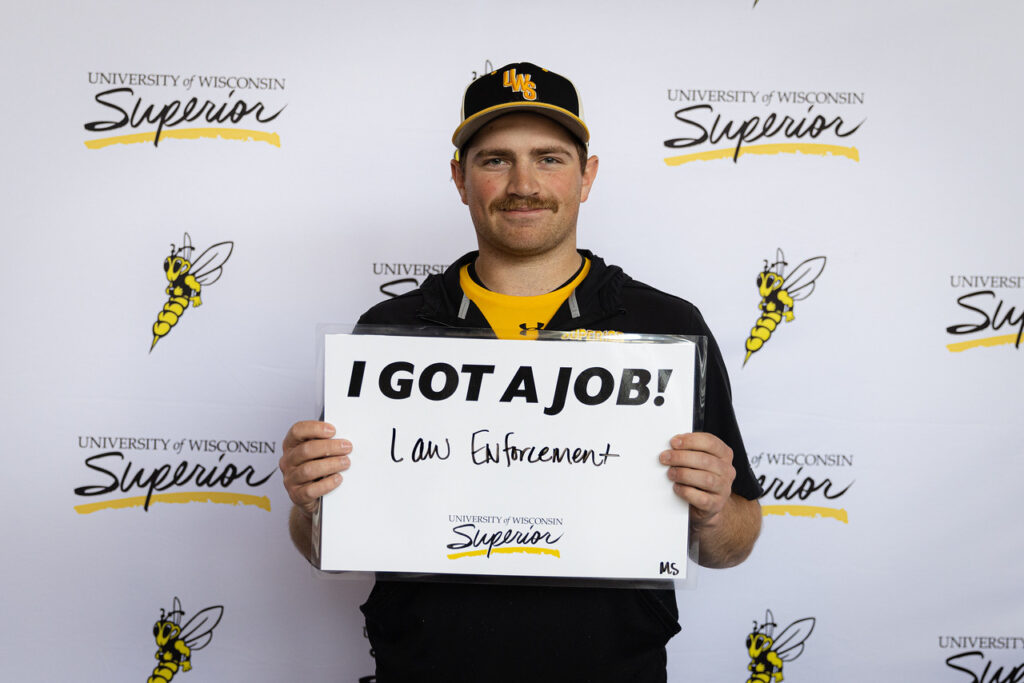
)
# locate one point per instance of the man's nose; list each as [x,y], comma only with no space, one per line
[523,181]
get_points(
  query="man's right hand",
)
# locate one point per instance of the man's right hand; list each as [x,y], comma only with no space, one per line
[312,462]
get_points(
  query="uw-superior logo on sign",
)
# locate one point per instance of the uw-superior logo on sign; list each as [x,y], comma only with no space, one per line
[724,124]
[769,652]
[176,643]
[987,308]
[148,107]
[186,278]
[486,535]
[521,83]
[779,290]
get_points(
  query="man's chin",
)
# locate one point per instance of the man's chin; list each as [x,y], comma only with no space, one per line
[524,246]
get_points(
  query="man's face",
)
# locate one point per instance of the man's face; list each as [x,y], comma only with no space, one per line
[523,185]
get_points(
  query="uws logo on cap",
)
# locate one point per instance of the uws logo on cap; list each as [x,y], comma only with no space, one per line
[521,83]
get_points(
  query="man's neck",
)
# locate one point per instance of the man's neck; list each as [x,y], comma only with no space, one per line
[527,275]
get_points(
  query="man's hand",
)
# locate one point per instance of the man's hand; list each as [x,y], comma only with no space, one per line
[312,462]
[700,464]
[726,525]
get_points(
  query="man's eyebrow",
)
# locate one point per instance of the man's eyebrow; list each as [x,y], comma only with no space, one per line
[542,151]
[493,152]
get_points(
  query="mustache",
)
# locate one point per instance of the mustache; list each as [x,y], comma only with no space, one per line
[518,203]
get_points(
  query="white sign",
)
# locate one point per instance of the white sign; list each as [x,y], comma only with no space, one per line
[483,456]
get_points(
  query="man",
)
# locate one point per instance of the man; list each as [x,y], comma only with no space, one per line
[522,169]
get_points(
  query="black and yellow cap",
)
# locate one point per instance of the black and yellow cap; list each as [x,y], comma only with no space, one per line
[520,87]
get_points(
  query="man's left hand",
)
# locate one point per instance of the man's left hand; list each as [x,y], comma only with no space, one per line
[700,464]
[725,524]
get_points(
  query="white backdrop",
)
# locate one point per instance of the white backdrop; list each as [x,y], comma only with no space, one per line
[902,546]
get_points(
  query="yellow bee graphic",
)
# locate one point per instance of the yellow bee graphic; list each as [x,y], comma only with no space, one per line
[186,278]
[768,654]
[176,643]
[778,290]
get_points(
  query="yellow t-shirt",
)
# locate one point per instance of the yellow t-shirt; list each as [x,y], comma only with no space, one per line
[518,317]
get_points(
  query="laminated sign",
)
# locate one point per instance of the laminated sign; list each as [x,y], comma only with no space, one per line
[525,458]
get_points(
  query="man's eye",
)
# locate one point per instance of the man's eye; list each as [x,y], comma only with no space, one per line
[551,160]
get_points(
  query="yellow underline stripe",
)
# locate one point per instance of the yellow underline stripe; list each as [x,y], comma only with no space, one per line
[775,148]
[509,551]
[221,497]
[806,511]
[987,341]
[188,134]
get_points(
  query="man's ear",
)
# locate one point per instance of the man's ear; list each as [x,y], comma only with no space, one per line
[589,174]
[459,178]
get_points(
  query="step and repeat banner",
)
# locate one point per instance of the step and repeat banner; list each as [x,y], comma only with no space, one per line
[835,185]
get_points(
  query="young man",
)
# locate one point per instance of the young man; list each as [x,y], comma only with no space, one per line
[522,169]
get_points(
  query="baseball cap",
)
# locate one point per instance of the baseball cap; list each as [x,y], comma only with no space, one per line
[520,86]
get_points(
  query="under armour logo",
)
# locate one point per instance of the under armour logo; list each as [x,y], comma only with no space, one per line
[526,329]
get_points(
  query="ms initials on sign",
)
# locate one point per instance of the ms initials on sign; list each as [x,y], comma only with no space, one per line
[520,83]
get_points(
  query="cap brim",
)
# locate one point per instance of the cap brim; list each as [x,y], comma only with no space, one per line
[470,126]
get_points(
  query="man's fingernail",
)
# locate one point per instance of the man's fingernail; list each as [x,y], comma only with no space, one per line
[677,442]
